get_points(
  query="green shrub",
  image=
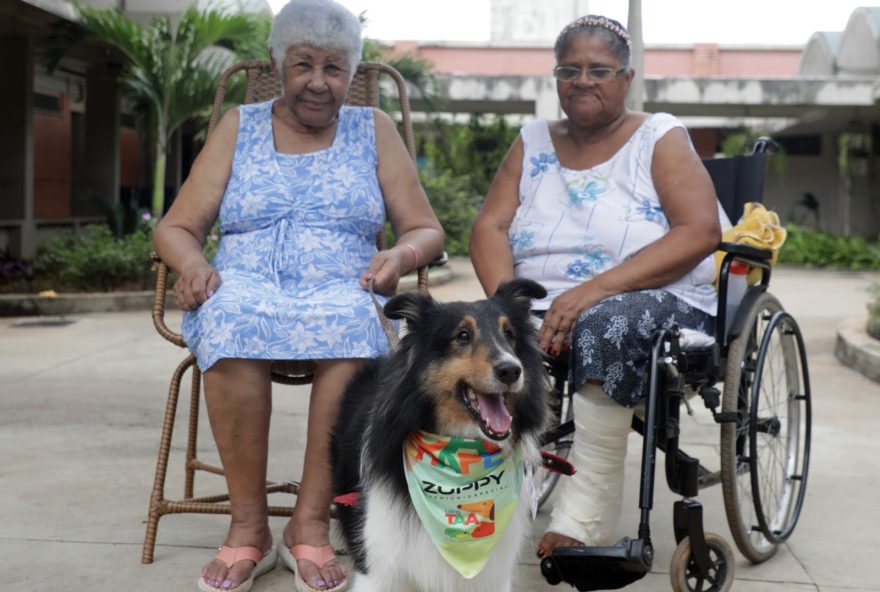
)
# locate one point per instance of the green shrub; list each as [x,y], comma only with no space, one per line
[459,163]
[96,260]
[455,202]
[473,150]
[813,248]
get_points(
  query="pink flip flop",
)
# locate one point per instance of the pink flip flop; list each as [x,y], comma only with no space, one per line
[263,562]
[320,556]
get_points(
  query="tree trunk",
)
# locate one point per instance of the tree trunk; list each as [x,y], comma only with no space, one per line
[158,204]
[635,100]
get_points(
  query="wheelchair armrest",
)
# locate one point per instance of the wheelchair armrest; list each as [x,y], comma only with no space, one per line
[159,303]
[746,251]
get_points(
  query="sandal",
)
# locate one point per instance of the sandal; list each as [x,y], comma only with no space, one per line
[263,562]
[320,556]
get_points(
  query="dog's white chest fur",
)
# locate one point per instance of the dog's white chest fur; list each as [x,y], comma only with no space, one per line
[402,558]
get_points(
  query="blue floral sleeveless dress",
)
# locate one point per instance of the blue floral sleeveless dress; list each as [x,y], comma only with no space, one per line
[297,231]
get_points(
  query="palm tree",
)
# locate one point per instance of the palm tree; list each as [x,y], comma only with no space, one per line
[414,69]
[172,69]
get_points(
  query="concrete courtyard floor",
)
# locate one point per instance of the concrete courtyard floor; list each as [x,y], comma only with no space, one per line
[81,409]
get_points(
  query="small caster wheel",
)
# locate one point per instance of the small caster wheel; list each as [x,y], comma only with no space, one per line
[685,576]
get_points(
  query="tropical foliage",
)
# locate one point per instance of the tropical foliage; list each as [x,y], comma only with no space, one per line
[171,70]
[813,248]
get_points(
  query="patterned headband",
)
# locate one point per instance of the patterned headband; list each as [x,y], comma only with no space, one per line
[597,21]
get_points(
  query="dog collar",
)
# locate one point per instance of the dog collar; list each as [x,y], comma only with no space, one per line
[465,491]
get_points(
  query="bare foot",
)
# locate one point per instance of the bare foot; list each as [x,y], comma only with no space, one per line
[218,575]
[316,534]
[551,540]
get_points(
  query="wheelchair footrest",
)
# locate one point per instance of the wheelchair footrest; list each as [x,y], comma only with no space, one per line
[599,568]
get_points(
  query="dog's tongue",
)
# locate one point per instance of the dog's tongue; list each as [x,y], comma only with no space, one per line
[493,411]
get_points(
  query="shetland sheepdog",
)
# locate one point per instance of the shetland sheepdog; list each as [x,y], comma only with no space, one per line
[469,370]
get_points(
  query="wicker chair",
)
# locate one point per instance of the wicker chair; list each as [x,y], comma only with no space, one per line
[262,83]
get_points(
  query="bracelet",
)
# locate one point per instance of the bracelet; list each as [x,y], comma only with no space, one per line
[414,252]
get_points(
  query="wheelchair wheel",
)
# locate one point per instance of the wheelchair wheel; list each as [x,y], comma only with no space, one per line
[685,576]
[765,452]
[546,480]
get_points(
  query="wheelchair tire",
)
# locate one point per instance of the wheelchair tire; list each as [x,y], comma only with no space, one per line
[765,452]
[545,481]
[684,575]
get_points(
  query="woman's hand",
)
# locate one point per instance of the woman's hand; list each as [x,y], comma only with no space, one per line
[563,313]
[197,283]
[385,270]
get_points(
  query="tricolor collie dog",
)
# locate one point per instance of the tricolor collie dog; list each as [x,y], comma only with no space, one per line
[465,393]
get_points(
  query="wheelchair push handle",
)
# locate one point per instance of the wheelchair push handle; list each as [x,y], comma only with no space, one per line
[764,145]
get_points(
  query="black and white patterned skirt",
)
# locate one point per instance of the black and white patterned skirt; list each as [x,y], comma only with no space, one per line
[611,343]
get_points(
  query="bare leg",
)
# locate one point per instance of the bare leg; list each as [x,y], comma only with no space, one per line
[238,393]
[311,518]
[589,502]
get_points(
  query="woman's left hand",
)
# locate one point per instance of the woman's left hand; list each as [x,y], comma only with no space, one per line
[563,313]
[385,270]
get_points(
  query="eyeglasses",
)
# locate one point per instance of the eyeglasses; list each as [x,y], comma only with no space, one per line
[572,73]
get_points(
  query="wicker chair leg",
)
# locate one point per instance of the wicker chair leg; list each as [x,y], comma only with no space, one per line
[157,507]
[192,437]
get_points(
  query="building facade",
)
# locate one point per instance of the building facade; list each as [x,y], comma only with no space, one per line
[68,136]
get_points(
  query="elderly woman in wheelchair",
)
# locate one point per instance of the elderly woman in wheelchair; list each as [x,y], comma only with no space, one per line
[302,186]
[614,213]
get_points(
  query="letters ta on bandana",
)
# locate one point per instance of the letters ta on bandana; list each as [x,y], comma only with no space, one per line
[465,492]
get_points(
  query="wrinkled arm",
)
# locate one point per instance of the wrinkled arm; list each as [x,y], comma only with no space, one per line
[419,234]
[181,233]
[490,244]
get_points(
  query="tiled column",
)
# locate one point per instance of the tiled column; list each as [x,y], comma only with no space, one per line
[17,144]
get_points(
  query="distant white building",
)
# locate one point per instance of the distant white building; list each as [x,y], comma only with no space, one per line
[532,23]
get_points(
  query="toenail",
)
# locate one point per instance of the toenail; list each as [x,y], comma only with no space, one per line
[321,583]
[226,584]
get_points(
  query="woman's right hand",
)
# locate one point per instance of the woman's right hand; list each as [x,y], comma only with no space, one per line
[564,311]
[196,283]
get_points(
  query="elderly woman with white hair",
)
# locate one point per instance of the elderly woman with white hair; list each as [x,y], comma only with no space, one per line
[301,185]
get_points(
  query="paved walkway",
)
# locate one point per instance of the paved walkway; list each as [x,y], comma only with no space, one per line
[81,408]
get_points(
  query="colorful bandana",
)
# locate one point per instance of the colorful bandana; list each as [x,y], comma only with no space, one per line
[465,492]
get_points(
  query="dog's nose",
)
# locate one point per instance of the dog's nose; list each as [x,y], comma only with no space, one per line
[508,372]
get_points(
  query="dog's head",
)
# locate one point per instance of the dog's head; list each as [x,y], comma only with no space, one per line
[475,366]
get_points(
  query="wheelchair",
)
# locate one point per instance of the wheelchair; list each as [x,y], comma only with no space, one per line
[763,408]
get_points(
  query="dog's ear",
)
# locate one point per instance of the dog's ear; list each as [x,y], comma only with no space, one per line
[410,306]
[520,292]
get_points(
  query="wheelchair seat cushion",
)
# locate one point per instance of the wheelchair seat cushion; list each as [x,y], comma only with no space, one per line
[612,341]
[692,339]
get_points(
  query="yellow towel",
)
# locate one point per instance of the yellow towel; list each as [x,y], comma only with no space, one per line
[758,227]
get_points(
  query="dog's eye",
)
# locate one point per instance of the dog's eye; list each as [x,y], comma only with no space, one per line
[509,334]
[463,336]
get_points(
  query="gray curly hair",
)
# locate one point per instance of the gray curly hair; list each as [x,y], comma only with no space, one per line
[324,24]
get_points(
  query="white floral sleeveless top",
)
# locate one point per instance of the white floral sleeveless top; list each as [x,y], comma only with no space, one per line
[572,225]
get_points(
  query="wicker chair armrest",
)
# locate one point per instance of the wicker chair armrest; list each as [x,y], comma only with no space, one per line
[159,303]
